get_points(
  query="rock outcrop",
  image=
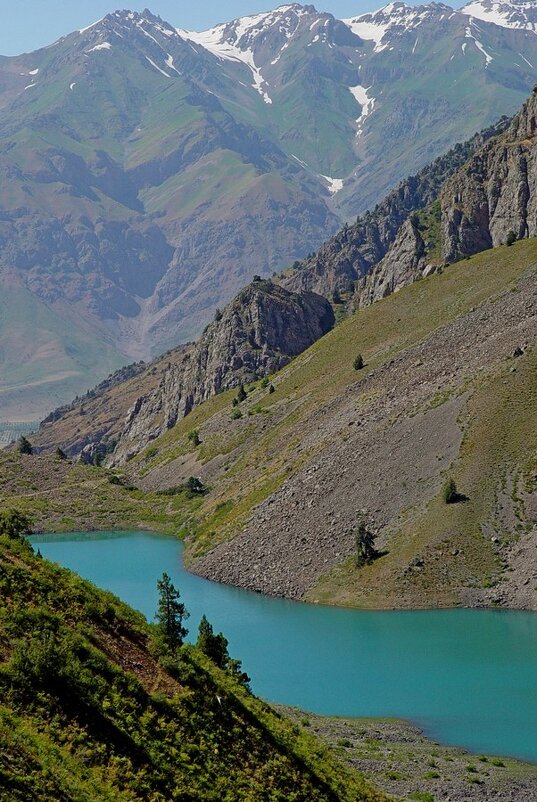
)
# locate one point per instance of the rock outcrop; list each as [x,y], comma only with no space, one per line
[345,259]
[257,334]
[490,200]
[404,261]
[485,193]
[495,195]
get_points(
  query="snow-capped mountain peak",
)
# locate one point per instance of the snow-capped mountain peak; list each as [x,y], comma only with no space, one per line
[256,39]
[395,17]
[228,40]
[521,14]
[143,33]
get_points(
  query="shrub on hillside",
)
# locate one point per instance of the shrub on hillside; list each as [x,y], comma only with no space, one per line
[24,446]
[450,493]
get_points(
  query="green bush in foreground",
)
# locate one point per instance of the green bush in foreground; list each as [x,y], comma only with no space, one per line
[88,712]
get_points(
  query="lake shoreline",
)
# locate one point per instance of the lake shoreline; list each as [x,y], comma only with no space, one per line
[401,759]
[473,604]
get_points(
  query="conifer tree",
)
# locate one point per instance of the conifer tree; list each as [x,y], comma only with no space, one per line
[24,446]
[171,614]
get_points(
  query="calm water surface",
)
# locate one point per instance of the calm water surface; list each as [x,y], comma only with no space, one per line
[468,677]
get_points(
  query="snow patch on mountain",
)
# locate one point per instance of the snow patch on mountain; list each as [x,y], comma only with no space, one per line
[520,14]
[334,184]
[237,40]
[360,93]
[215,42]
[170,64]
[88,27]
[102,46]
[395,17]
[469,35]
[157,67]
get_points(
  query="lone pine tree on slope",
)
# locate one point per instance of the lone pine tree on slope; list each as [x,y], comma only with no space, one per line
[171,614]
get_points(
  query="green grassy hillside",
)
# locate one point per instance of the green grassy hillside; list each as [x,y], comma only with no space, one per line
[441,395]
[89,713]
[45,359]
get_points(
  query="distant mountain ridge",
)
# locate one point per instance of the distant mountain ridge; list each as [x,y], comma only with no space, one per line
[148,173]
[398,243]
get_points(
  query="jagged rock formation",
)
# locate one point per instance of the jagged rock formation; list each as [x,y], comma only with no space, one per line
[496,192]
[490,200]
[404,261]
[351,254]
[257,334]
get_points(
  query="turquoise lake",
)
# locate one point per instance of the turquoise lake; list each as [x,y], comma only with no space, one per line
[468,677]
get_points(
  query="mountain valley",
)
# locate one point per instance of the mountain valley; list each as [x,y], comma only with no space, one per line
[210,157]
[271,290]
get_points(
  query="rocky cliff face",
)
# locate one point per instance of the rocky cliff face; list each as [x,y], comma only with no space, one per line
[495,195]
[490,200]
[404,261]
[479,196]
[257,334]
[350,255]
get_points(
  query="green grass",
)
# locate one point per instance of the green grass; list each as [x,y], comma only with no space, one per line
[91,713]
[63,497]
[500,431]
[44,359]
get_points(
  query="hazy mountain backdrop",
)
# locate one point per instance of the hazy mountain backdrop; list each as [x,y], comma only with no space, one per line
[147,172]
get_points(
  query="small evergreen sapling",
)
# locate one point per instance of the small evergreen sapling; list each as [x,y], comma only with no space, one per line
[24,446]
[450,494]
[358,362]
[365,545]
[194,437]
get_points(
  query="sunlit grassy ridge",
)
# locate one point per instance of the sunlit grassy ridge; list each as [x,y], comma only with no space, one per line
[265,446]
[88,713]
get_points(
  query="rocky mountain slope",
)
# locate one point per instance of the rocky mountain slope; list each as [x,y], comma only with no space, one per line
[89,711]
[448,390]
[477,197]
[490,201]
[341,264]
[382,252]
[208,158]
[257,334]
[517,14]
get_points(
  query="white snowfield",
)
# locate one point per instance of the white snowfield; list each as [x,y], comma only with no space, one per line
[360,93]
[235,41]
[393,17]
[522,15]
[102,46]
[470,35]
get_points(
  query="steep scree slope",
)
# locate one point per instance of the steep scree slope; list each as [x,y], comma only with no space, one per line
[448,389]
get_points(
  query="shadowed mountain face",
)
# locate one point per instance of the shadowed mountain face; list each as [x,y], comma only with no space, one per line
[147,173]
